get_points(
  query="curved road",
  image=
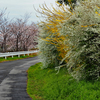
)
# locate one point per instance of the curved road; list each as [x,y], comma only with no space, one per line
[13,79]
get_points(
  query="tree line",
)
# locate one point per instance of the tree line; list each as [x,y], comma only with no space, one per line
[17,34]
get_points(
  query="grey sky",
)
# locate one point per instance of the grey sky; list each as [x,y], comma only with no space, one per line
[17,8]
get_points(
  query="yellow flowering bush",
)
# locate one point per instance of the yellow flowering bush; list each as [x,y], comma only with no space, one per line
[72,38]
[50,36]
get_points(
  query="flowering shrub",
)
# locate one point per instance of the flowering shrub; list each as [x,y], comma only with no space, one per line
[51,46]
[83,30]
[72,39]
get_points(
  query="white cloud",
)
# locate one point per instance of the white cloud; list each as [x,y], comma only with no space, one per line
[15,8]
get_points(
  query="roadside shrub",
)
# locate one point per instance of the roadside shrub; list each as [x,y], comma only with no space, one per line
[48,51]
[50,43]
[72,38]
[83,30]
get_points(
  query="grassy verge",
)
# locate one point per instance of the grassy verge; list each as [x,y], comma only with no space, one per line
[16,57]
[47,85]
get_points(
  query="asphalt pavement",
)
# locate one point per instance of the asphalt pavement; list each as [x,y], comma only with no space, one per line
[13,79]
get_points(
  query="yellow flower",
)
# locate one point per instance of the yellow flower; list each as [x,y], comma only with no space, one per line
[97,13]
[84,26]
[98,6]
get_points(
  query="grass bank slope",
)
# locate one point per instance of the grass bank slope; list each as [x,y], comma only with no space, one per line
[45,84]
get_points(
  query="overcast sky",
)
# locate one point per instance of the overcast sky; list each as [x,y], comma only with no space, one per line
[17,8]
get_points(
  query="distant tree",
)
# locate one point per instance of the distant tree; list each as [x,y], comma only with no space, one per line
[23,35]
[5,34]
[29,37]
[1,16]
[17,29]
[4,30]
[66,1]
[71,3]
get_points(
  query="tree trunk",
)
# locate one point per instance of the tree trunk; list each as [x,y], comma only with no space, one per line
[4,48]
[17,44]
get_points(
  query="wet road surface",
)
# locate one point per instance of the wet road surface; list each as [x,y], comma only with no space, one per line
[13,79]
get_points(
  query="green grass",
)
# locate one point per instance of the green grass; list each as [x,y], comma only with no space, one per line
[16,57]
[45,84]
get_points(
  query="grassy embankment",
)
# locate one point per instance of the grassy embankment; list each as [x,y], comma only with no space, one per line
[45,84]
[2,59]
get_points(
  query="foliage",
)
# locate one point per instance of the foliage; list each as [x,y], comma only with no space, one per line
[72,38]
[46,85]
[51,46]
[83,30]
[70,3]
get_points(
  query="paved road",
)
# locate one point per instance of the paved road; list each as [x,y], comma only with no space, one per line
[13,79]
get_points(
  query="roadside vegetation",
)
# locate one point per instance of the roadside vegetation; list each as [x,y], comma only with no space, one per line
[69,42]
[70,37]
[2,59]
[45,84]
